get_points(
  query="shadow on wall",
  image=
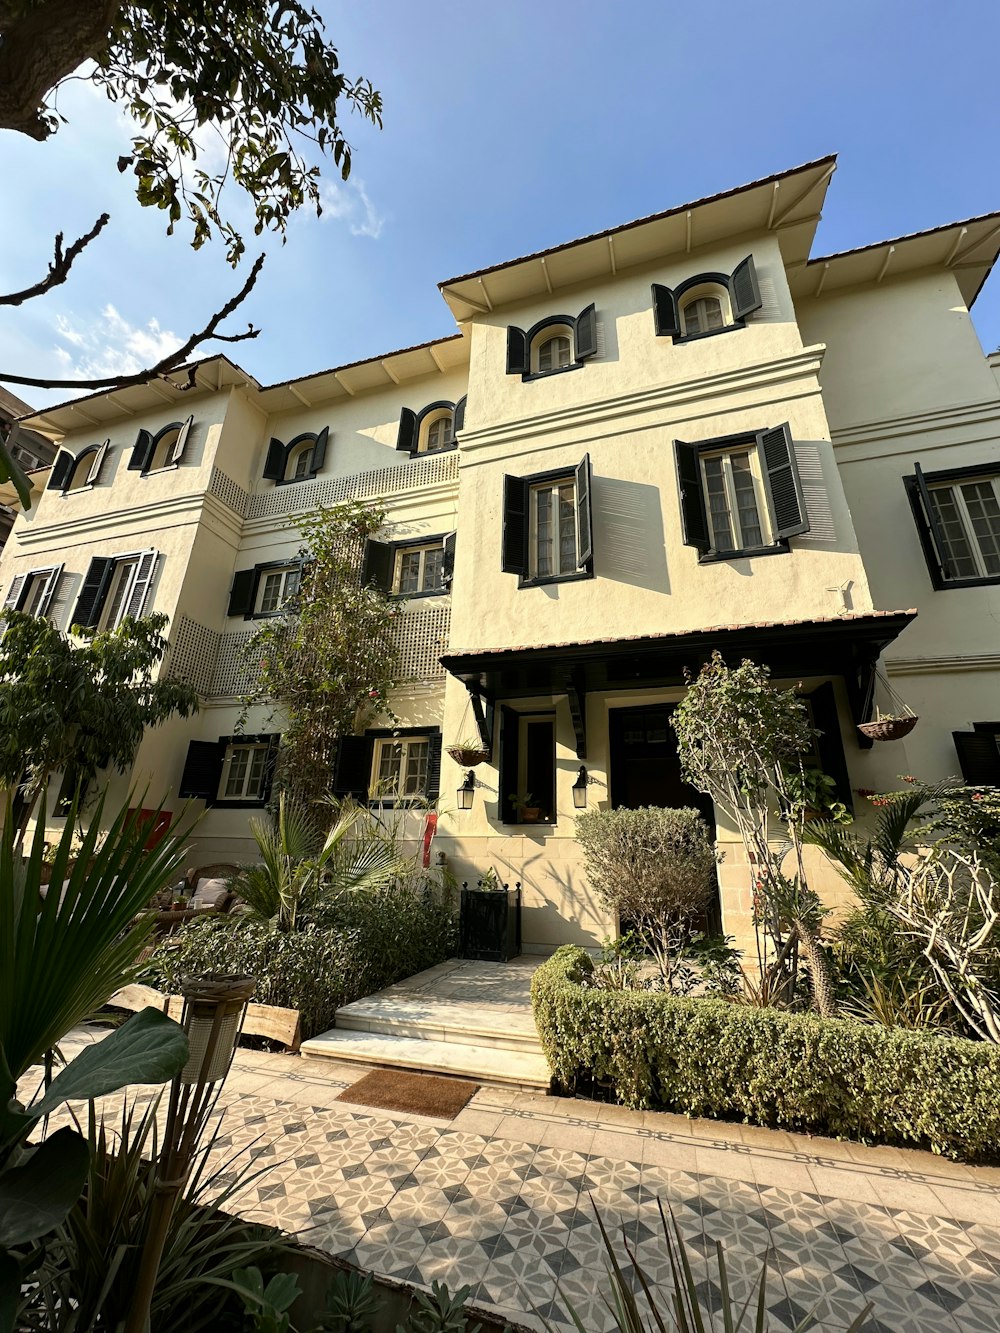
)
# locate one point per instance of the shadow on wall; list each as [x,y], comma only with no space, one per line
[558,906]
[628,534]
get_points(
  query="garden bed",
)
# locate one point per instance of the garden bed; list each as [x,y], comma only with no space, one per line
[708,1057]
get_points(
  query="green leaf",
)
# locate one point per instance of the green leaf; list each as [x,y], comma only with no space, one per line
[37,1195]
[10,471]
[10,1292]
[149,1048]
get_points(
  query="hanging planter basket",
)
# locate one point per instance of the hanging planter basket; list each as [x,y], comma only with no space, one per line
[468,757]
[892,726]
[889,728]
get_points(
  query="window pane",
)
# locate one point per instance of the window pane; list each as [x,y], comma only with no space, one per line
[303,462]
[35,590]
[255,781]
[433,566]
[390,758]
[956,542]
[553,354]
[415,783]
[692,324]
[270,598]
[544,534]
[567,528]
[292,577]
[121,583]
[440,435]
[711,312]
[984,512]
[746,501]
[238,762]
[718,505]
[409,571]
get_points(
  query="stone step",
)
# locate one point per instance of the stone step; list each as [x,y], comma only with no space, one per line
[442,1020]
[484,1065]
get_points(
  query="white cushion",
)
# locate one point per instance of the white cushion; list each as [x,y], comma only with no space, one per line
[208,893]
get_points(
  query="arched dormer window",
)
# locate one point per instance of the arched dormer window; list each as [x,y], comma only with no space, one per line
[432,430]
[706,303]
[153,452]
[76,472]
[556,343]
[301,459]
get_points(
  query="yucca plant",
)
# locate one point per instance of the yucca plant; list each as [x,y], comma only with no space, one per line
[645,1307]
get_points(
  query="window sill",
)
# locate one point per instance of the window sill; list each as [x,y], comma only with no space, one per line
[708,333]
[582,574]
[224,803]
[433,453]
[547,374]
[751,553]
[529,823]
[296,481]
[418,596]
[158,471]
[76,490]
[987,581]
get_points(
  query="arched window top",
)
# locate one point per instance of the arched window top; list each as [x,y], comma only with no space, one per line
[298,460]
[552,350]
[706,303]
[432,430]
[76,472]
[555,343]
[438,433]
[164,448]
[705,308]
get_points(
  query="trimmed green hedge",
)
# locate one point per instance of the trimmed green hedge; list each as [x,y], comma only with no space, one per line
[708,1057]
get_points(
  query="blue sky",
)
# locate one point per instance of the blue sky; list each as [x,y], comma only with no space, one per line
[507,129]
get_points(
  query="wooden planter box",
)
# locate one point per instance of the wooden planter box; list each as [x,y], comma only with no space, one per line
[490,924]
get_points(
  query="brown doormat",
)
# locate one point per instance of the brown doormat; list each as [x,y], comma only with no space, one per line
[420,1094]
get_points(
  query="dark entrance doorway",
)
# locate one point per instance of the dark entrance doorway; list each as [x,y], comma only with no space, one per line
[645,769]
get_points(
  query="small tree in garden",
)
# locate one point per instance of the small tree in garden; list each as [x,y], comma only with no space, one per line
[79,704]
[329,662]
[655,867]
[739,737]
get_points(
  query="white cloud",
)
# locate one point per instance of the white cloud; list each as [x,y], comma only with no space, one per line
[111,345]
[350,203]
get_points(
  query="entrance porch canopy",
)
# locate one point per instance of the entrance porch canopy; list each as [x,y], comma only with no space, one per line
[847,645]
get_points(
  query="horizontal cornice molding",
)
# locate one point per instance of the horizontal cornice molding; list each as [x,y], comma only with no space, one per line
[985,413]
[916,666]
[91,528]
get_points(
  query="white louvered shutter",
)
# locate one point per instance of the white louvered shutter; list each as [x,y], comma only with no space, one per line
[139,591]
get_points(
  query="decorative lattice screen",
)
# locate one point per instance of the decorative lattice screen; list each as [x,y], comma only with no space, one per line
[361,486]
[423,636]
[234,675]
[193,651]
[225,489]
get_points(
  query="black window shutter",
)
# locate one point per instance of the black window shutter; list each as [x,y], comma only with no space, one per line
[929,528]
[433,765]
[979,757]
[459,423]
[62,471]
[586,334]
[510,727]
[694,517]
[15,593]
[584,517]
[515,526]
[448,562]
[202,770]
[352,767]
[830,744]
[241,594]
[517,351]
[666,320]
[406,440]
[744,289]
[97,462]
[484,720]
[377,567]
[142,452]
[95,589]
[176,451]
[270,765]
[788,506]
[274,464]
[319,451]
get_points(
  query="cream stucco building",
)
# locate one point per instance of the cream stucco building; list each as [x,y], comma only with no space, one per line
[681,434]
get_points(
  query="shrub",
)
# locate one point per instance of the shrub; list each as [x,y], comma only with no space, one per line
[368,941]
[769,1067]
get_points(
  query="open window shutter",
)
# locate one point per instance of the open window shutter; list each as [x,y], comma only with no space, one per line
[584,519]
[319,451]
[203,769]
[97,462]
[51,583]
[352,767]
[15,592]
[433,766]
[270,765]
[694,517]
[142,452]
[586,334]
[459,423]
[666,320]
[508,766]
[62,470]
[931,533]
[484,720]
[95,589]
[139,591]
[448,562]
[274,464]
[979,757]
[406,440]
[744,289]
[830,743]
[517,351]
[788,506]
[515,526]
[241,593]
[176,451]
[377,567]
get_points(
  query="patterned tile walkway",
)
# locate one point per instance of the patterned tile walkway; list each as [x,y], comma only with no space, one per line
[501,1199]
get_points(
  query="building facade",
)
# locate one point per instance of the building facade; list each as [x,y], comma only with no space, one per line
[679,435]
[29,449]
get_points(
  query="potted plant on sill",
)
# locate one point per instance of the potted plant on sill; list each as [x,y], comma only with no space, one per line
[526,812]
[490,920]
[469,752]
